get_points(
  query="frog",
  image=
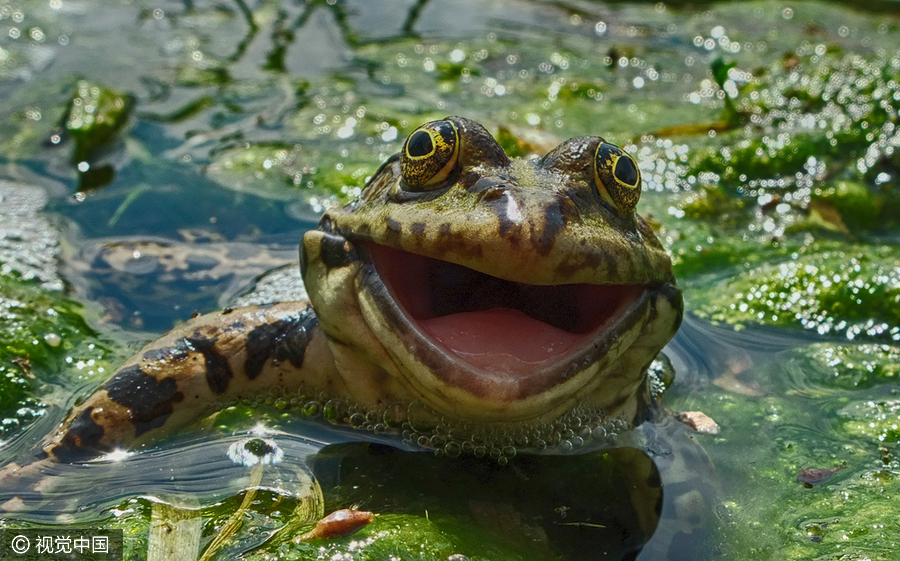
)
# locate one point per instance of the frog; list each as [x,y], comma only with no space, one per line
[468,303]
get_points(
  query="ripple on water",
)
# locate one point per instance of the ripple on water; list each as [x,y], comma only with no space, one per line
[202,472]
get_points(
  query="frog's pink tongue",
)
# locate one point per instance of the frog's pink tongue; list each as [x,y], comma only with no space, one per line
[500,339]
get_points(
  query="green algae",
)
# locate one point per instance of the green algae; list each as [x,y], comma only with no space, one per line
[405,537]
[858,208]
[42,334]
[850,366]
[95,117]
[774,222]
[849,290]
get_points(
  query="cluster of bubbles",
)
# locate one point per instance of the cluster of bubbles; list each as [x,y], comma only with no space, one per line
[420,426]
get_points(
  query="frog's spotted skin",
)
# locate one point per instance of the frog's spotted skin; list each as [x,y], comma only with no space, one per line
[498,298]
[183,375]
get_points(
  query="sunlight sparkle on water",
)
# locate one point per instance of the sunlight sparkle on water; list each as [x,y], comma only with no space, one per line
[116,456]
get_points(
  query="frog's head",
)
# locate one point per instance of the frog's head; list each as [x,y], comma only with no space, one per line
[494,289]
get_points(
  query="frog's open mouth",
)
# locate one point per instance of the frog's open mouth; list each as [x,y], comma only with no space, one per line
[499,326]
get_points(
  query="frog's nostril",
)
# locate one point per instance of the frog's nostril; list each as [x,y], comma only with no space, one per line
[488,186]
[494,193]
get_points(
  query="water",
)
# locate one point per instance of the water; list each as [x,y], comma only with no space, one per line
[248,119]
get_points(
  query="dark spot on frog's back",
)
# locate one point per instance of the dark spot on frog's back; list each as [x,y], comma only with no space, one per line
[82,440]
[218,369]
[285,339]
[417,228]
[335,251]
[150,400]
[200,262]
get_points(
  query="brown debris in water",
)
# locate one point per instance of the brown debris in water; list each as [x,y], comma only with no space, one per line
[699,421]
[338,524]
[812,477]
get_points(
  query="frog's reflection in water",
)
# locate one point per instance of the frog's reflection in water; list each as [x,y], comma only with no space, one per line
[608,504]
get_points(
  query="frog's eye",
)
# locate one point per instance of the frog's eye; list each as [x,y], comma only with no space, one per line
[429,155]
[617,177]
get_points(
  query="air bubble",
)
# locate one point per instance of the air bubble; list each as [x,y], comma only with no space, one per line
[357,420]
[311,409]
[452,449]
[394,415]
[336,412]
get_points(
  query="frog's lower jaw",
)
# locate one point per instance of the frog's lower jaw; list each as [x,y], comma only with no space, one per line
[479,348]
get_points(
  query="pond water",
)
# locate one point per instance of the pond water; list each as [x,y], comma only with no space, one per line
[162,157]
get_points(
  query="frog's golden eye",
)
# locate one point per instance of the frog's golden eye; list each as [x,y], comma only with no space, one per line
[429,155]
[617,177]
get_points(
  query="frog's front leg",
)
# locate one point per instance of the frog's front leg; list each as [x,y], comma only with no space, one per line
[210,360]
